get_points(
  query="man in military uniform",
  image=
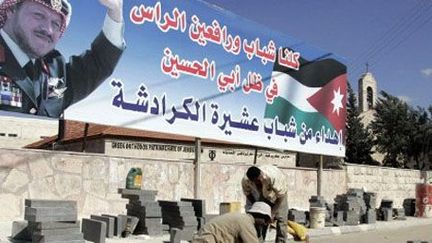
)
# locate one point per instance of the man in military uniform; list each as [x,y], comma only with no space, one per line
[34,77]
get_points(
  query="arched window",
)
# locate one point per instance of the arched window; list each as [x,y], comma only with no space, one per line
[369,98]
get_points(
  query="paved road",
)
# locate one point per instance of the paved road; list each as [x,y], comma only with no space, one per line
[402,235]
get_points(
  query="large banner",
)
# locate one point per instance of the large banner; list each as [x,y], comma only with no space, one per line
[194,69]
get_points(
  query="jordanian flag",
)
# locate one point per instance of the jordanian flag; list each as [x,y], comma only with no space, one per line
[314,95]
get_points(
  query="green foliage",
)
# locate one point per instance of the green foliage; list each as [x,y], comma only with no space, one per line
[393,127]
[359,141]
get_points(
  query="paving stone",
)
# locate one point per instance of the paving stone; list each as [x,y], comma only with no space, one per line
[57,237]
[94,230]
[116,231]
[21,231]
[38,203]
[178,235]
[387,214]
[370,217]
[49,214]
[54,225]
[351,217]
[199,206]
[109,224]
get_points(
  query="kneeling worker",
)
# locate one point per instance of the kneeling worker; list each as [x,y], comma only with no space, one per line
[236,227]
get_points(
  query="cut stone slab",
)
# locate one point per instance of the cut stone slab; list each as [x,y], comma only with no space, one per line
[21,231]
[109,224]
[45,214]
[94,230]
[37,203]
[116,228]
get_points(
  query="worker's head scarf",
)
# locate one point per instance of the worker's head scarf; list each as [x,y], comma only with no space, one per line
[62,7]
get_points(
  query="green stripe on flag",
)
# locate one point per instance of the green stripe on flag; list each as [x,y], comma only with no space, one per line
[284,110]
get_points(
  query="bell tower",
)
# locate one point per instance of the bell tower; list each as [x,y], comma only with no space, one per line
[367,86]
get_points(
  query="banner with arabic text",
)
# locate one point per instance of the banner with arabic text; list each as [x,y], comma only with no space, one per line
[194,69]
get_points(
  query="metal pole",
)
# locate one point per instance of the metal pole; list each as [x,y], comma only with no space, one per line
[255,156]
[197,169]
[319,176]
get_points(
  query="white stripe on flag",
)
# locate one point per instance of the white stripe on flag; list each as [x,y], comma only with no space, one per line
[293,91]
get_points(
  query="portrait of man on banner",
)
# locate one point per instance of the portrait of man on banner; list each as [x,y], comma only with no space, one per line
[35,78]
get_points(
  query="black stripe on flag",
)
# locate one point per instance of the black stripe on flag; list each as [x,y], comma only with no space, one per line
[313,73]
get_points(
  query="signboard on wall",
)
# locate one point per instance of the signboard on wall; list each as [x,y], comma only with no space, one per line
[193,69]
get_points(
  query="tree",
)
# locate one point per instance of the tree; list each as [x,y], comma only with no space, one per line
[419,148]
[359,141]
[392,127]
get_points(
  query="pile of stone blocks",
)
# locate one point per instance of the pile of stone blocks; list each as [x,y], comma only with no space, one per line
[143,205]
[355,207]
[180,215]
[199,208]
[98,228]
[385,211]
[409,206]
[48,221]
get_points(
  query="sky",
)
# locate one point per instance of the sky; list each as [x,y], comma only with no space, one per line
[393,37]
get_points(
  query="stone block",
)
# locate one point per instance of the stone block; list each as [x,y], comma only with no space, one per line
[50,214]
[351,218]
[387,214]
[199,206]
[116,232]
[54,225]
[109,224]
[40,203]
[340,218]
[178,235]
[21,231]
[77,236]
[94,230]
[370,217]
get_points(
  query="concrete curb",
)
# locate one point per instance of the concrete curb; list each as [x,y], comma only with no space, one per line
[379,225]
[313,233]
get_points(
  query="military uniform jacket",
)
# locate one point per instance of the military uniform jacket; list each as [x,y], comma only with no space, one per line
[59,84]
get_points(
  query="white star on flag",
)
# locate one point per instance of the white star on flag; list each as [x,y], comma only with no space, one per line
[337,101]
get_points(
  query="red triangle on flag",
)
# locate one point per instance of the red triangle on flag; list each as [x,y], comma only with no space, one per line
[330,101]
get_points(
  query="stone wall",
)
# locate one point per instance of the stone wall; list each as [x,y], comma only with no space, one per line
[93,179]
[389,183]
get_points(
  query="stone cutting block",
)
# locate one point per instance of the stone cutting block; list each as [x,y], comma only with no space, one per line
[39,203]
[45,214]
[297,216]
[116,232]
[109,224]
[147,204]
[94,230]
[198,204]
